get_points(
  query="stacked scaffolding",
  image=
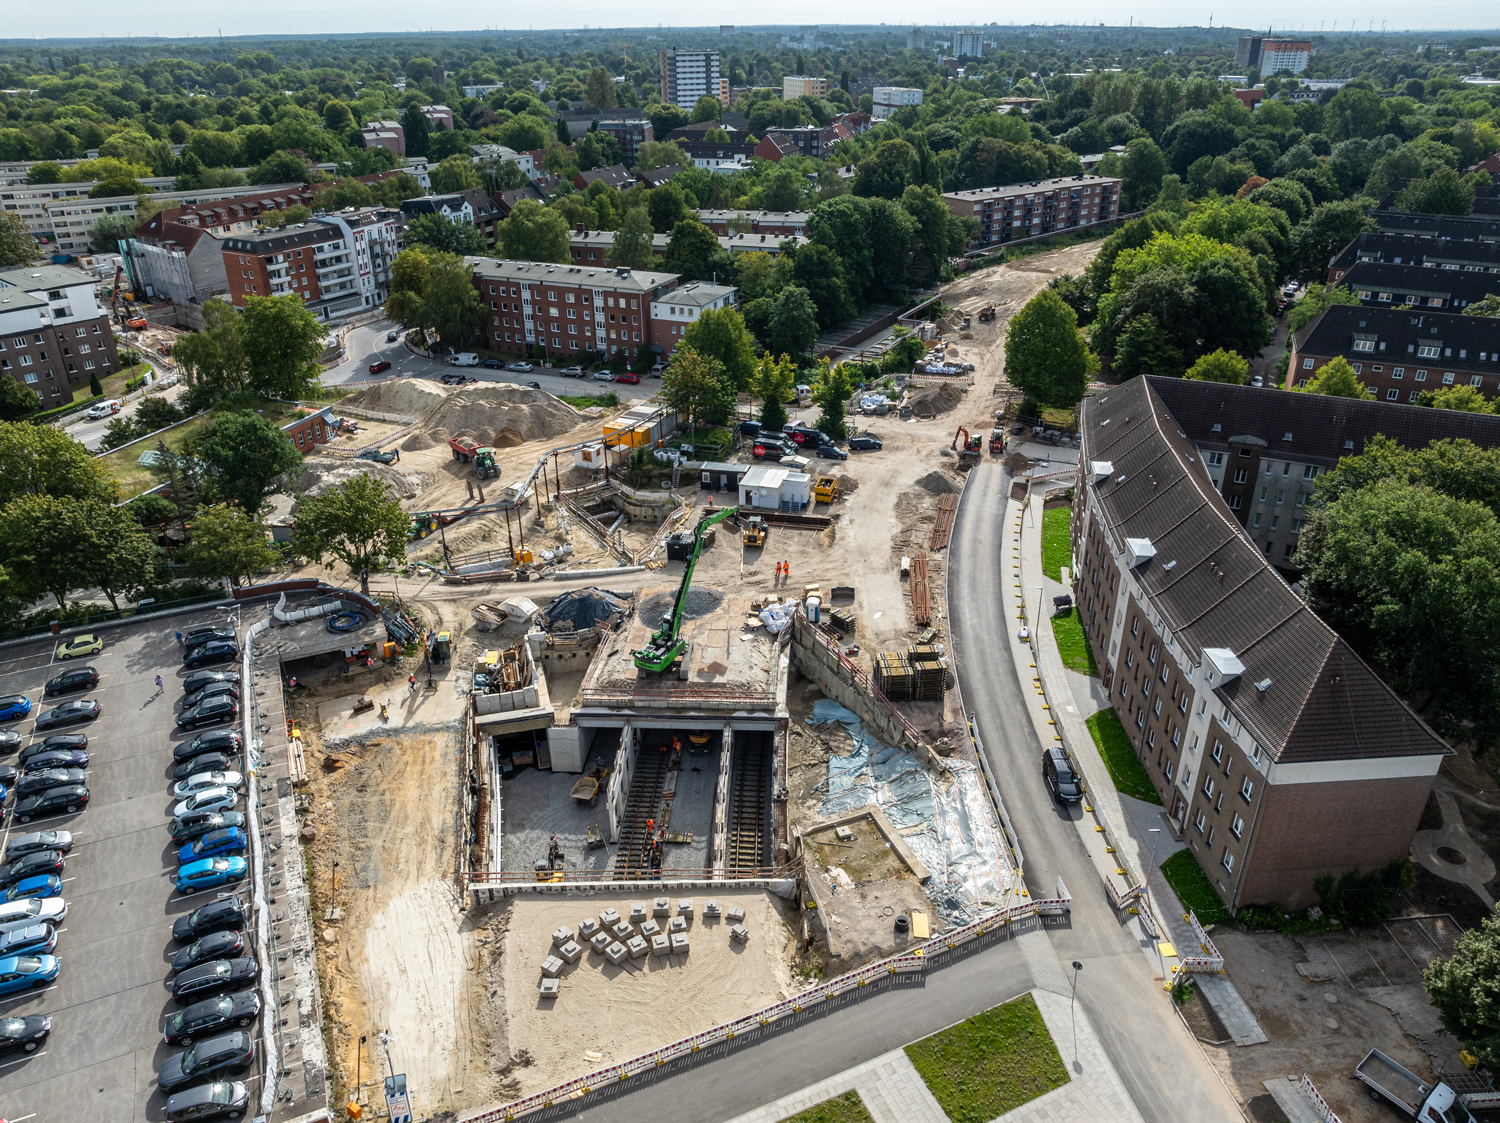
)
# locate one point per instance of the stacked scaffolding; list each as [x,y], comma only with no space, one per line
[930,671]
[895,676]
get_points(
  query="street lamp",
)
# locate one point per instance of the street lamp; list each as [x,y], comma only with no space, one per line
[1037,622]
[1072,1013]
[1156,832]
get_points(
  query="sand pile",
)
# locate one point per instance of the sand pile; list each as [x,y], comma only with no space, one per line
[417,442]
[848,485]
[507,438]
[933,401]
[409,397]
[490,408]
[938,483]
[319,473]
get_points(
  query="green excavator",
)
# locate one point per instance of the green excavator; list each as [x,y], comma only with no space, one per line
[666,645]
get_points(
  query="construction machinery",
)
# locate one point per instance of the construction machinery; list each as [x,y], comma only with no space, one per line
[987,313]
[667,645]
[755,531]
[972,447]
[550,868]
[484,463]
[379,456]
[997,441]
[439,647]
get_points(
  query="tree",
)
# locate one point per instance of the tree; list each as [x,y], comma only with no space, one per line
[1489,306]
[1463,989]
[215,355]
[1145,164]
[44,172]
[359,522]
[774,381]
[280,167]
[108,231]
[16,400]
[452,305]
[1442,192]
[1331,227]
[396,190]
[939,232]
[831,389]
[418,135]
[1045,357]
[692,250]
[660,154]
[227,543]
[599,90]
[337,118]
[792,322]
[697,387]
[1465,399]
[564,137]
[720,334]
[156,413]
[885,172]
[665,117]
[455,174]
[446,236]
[818,270]
[633,241]
[104,544]
[1144,348]
[1318,297]
[1336,379]
[17,246]
[1220,366]
[41,460]
[706,108]
[244,454]
[532,232]
[283,342]
[667,206]
[843,226]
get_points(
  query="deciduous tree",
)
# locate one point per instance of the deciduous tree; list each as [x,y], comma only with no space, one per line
[720,334]
[698,387]
[41,460]
[227,543]
[532,232]
[1465,989]
[1336,379]
[599,91]
[775,380]
[831,389]
[1220,366]
[16,401]
[454,174]
[792,322]
[245,454]
[359,522]
[283,341]
[633,241]
[445,236]
[1045,357]
[17,246]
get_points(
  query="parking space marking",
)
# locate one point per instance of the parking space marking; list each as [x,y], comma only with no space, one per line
[18,1060]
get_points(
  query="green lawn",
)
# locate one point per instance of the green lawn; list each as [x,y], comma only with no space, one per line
[608,398]
[1125,769]
[134,477]
[1193,889]
[1073,645]
[848,1108]
[990,1064]
[1057,547]
[114,384]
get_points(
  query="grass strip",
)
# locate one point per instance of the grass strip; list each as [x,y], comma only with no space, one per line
[1193,889]
[1057,547]
[1073,645]
[848,1108]
[1113,743]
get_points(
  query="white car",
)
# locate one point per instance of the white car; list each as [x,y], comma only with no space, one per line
[208,799]
[201,781]
[524,368]
[571,372]
[102,410]
[604,376]
[32,910]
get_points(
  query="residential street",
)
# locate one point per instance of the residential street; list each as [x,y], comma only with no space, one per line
[90,433]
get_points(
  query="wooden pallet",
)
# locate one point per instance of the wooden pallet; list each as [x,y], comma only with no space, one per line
[943,527]
[296,762]
[921,596]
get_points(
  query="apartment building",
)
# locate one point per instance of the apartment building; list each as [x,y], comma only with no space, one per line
[438,116]
[1276,751]
[783,223]
[715,156]
[385,134]
[672,312]
[810,140]
[615,175]
[1387,284]
[688,75]
[338,264]
[53,333]
[626,125]
[472,206]
[1030,210]
[1433,253]
[916,39]
[969,43]
[1458,228]
[542,190]
[373,237]
[593,247]
[1272,56]
[887,99]
[797,86]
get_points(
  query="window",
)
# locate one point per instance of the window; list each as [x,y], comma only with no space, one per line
[1429,350]
[30,377]
[1247,790]
[1135,626]
[1307,364]
[1256,521]
[1310,472]
[1228,860]
[1208,787]
[1218,753]
[1365,344]
[1297,525]
[1237,827]
[1215,459]
[1235,502]
[1264,491]
[1398,372]
[1200,821]
[1240,475]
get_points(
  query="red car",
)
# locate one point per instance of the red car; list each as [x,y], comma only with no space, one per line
[632,379]
[376,368]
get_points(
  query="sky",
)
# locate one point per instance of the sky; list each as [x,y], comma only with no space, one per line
[179,18]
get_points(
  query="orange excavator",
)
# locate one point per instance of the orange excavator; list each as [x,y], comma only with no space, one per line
[972,447]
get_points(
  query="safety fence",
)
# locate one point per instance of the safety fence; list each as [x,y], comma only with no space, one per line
[911,962]
[868,685]
[1320,1105]
[1211,962]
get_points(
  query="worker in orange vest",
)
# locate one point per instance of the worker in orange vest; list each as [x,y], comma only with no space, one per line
[786,570]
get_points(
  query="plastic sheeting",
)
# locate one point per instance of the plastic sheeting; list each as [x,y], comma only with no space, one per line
[961,844]
[778,618]
[582,609]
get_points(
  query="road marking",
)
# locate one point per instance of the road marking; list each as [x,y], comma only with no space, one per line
[18,1060]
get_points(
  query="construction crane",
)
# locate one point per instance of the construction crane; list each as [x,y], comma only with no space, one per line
[666,645]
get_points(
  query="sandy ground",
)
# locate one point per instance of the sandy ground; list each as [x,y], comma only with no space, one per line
[607,1014]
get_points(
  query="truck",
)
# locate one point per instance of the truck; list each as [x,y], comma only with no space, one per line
[1424,1102]
[463,359]
[467,449]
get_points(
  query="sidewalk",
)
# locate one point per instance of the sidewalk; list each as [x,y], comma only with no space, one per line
[893,1091]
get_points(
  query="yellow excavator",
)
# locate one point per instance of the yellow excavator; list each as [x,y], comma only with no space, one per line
[755,531]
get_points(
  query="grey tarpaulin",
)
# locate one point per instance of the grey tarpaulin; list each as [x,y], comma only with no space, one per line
[581,609]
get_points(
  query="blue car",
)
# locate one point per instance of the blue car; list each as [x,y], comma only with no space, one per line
[209,873]
[230,840]
[40,887]
[13,707]
[22,972]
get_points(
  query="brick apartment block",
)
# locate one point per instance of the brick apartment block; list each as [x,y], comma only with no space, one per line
[53,332]
[1030,210]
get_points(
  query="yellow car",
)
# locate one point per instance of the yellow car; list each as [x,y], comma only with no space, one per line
[79,645]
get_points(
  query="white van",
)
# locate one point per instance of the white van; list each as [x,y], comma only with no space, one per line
[466,359]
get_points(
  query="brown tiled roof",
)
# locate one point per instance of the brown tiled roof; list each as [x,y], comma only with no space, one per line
[1304,695]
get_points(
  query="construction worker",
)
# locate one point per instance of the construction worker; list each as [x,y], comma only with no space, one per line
[411,684]
[786,570]
[677,745]
[650,826]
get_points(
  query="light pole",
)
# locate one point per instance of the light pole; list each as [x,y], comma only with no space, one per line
[1037,622]
[1072,1013]
[385,1043]
[1156,833]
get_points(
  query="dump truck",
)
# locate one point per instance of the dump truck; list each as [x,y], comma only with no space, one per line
[1424,1102]
[987,313]
[825,490]
[463,448]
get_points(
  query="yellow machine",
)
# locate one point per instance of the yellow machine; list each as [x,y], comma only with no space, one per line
[755,531]
[523,555]
[825,490]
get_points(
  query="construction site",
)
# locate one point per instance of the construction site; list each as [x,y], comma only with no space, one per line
[622,702]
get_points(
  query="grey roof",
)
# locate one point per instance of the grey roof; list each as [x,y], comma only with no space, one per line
[1403,249]
[588,276]
[615,175]
[1460,228]
[1398,332]
[755,218]
[1304,694]
[14,299]
[1013,190]
[1416,284]
[36,277]
[271,241]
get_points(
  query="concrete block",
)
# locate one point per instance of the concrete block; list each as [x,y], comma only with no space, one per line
[587,927]
[637,947]
[740,934]
[679,943]
[615,953]
[650,928]
[562,936]
[609,918]
[637,912]
[600,940]
[550,988]
[685,907]
[623,931]
[571,952]
[843,834]
[661,945]
[711,908]
[552,967]
[677,924]
[734,916]
[662,906]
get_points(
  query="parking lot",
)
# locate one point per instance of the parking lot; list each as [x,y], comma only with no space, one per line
[112,992]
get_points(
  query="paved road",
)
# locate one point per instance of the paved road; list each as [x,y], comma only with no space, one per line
[92,432]
[1163,1069]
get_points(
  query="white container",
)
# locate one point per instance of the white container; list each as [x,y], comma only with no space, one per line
[814,606]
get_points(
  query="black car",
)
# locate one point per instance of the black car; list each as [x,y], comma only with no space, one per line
[39,840]
[226,1055]
[199,679]
[1058,775]
[228,913]
[212,690]
[215,651]
[208,762]
[768,450]
[56,741]
[226,741]
[202,633]
[10,741]
[71,799]
[864,443]
[35,864]
[214,978]
[492,364]
[195,824]
[26,1033]
[238,1009]
[33,782]
[223,1099]
[228,944]
[830,452]
[210,712]
[57,758]
[8,774]
[78,678]
[69,713]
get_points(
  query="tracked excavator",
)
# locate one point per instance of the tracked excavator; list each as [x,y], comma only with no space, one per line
[667,645]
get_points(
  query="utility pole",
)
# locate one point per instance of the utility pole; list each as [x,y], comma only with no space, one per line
[1156,833]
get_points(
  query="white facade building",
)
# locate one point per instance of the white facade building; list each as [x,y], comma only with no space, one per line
[887,99]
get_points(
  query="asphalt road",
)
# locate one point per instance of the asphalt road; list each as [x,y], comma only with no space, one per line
[1163,1069]
[111,995]
[92,432]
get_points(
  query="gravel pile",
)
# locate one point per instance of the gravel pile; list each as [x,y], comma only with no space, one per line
[700,602]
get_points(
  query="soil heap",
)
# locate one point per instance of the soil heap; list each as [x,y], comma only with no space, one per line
[490,410]
[408,397]
[934,401]
[320,473]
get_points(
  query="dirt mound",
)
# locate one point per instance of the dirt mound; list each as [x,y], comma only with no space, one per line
[848,485]
[507,438]
[533,414]
[319,473]
[410,397]
[933,401]
[1017,462]
[938,483]
[417,442]
[700,602]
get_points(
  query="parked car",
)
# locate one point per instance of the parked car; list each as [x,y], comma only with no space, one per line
[69,713]
[223,1099]
[209,799]
[571,372]
[13,707]
[57,758]
[54,743]
[766,450]
[238,1009]
[521,367]
[79,645]
[61,841]
[492,364]
[630,378]
[228,944]
[210,873]
[35,864]
[463,359]
[214,844]
[203,633]
[28,910]
[209,712]
[1258,381]
[46,778]
[832,452]
[34,939]
[79,678]
[199,679]
[71,799]
[216,651]
[45,885]
[225,741]
[658,369]
[376,368]
[10,741]
[23,972]
[208,762]
[185,828]
[1058,775]
[604,376]
[214,978]
[205,780]
[864,443]
[25,1033]
[227,913]
[227,1055]
[212,690]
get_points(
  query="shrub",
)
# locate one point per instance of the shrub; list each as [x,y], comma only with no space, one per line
[1357,897]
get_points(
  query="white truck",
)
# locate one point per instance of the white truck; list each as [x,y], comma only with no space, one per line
[1424,1102]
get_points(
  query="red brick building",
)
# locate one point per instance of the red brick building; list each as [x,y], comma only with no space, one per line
[1031,210]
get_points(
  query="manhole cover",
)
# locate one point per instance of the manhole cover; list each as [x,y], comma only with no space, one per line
[1451,856]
